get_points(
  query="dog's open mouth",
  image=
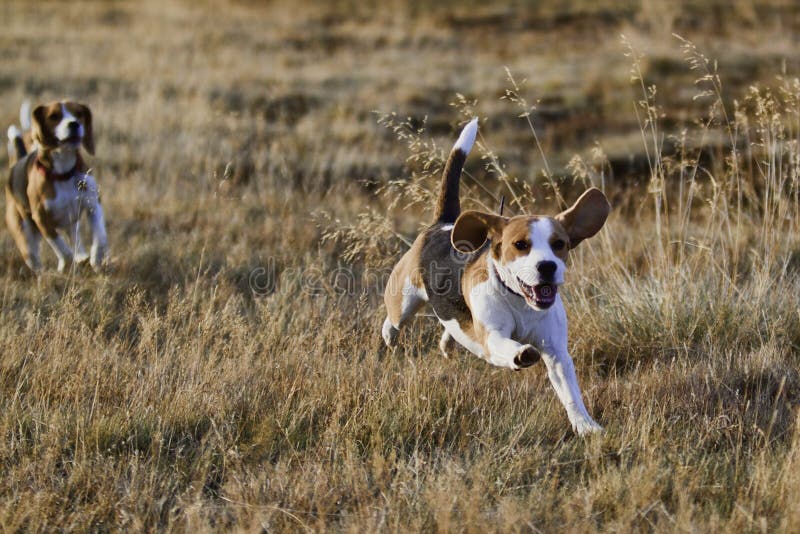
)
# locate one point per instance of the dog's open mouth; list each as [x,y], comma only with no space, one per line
[540,296]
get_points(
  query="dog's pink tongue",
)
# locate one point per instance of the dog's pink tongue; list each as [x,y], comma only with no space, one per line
[545,292]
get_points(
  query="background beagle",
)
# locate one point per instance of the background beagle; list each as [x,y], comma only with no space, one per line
[49,188]
[493,281]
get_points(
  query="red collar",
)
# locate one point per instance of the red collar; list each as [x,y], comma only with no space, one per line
[49,174]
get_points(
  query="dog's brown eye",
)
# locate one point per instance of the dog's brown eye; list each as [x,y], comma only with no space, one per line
[53,117]
[558,244]
[521,245]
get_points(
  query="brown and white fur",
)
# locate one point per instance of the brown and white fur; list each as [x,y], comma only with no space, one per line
[49,188]
[493,281]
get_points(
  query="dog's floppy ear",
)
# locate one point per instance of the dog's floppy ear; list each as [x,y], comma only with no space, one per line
[473,228]
[88,134]
[40,133]
[586,217]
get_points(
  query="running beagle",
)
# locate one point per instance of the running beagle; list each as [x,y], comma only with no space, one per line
[49,188]
[493,281]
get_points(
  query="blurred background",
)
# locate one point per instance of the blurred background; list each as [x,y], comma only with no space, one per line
[282,138]
[287,92]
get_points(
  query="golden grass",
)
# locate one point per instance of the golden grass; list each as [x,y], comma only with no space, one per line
[228,373]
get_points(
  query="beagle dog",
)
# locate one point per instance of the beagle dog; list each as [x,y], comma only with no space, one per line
[493,281]
[49,188]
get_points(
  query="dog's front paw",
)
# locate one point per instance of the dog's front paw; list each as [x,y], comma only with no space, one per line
[389,333]
[64,264]
[34,264]
[526,356]
[583,427]
[98,267]
[447,345]
[97,258]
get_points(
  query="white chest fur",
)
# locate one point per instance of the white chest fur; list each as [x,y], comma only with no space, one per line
[542,329]
[498,309]
[72,198]
[525,324]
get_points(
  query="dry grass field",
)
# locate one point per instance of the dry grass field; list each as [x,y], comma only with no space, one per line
[262,165]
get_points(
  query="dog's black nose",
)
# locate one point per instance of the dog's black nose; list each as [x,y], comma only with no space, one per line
[546,268]
[73,125]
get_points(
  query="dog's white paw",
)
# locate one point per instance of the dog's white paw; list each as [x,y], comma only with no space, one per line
[447,344]
[526,356]
[34,263]
[583,427]
[97,258]
[64,264]
[389,333]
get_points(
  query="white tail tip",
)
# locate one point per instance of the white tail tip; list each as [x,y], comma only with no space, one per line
[467,137]
[13,133]
[25,115]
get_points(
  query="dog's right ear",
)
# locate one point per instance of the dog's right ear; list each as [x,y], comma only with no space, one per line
[473,228]
[40,133]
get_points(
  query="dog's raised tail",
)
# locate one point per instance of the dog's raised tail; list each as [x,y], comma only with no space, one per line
[448,206]
[25,115]
[16,146]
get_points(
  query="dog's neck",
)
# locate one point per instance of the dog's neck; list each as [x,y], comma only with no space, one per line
[64,159]
[58,160]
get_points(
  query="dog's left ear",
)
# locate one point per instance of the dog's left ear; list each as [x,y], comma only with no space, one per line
[473,228]
[586,217]
[88,134]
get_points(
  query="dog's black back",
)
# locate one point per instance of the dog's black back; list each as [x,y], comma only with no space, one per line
[442,271]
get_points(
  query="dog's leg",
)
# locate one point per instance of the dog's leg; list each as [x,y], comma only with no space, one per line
[410,304]
[403,300]
[505,352]
[561,372]
[62,250]
[447,344]
[75,236]
[56,242]
[25,236]
[97,224]
[33,238]
[389,333]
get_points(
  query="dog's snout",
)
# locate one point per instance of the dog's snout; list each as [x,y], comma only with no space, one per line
[546,268]
[73,125]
